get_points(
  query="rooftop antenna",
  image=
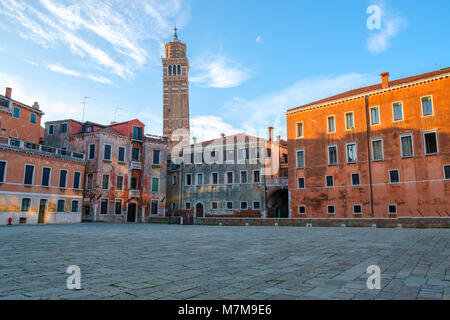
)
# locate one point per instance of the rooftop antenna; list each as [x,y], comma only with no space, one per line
[84,103]
[116,117]
[437,66]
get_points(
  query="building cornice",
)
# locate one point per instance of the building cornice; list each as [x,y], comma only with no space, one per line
[368,93]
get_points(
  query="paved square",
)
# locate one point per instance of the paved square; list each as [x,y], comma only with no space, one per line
[145,261]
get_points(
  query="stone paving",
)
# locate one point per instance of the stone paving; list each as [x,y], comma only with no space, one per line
[145,261]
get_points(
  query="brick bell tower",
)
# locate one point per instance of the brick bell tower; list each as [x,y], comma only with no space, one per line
[176,93]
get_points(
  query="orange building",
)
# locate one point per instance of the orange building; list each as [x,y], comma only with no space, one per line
[38,184]
[381,151]
[18,120]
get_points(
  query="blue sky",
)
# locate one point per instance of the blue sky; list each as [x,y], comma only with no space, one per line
[250,61]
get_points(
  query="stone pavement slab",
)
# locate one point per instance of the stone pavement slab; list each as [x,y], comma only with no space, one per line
[146,261]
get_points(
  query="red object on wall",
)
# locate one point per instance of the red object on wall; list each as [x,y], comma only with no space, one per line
[9,221]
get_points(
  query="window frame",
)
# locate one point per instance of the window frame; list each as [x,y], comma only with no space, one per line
[372,151]
[298,210]
[66,180]
[25,172]
[109,182]
[31,118]
[141,138]
[378,113]
[356,152]
[91,155]
[49,177]
[217,205]
[246,176]
[159,157]
[304,158]
[50,132]
[393,111]
[5,172]
[432,106]
[14,112]
[102,200]
[64,206]
[79,180]
[63,125]
[390,177]
[212,178]
[328,123]
[203,179]
[78,206]
[337,154]
[424,142]
[157,185]
[87,181]
[116,201]
[347,128]
[256,209]
[359,179]
[298,183]
[334,209]
[232,205]
[186,205]
[29,205]
[186,179]
[104,152]
[240,205]
[396,209]
[118,154]
[443,168]
[259,176]
[357,213]
[326,181]
[410,134]
[123,182]
[232,177]
[157,207]
[297,136]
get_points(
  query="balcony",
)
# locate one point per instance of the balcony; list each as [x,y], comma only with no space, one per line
[277,182]
[135,165]
[40,149]
[135,194]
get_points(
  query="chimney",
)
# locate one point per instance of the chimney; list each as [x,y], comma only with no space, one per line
[195,140]
[278,139]
[222,135]
[8,93]
[270,134]
[36,105]
[384,80]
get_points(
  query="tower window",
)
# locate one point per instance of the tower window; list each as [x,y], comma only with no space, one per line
[179,69]
[170,70]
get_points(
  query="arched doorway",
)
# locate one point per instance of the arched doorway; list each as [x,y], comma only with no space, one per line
[199,210]
[278,204]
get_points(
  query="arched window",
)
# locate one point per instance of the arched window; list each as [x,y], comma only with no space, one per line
[179,69]
[170,70]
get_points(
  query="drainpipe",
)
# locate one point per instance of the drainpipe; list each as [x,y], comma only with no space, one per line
[366,101]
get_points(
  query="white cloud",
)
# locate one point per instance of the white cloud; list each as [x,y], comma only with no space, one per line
[113,34]
[258,39]
[219,72]
[29,93]
[269,109]
[391,25]
[60,69]
[63,70]
[210,127]
[99,79]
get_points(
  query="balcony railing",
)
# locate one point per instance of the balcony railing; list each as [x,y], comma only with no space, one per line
[136,165]
[135,193]
[38,148]
[278,181]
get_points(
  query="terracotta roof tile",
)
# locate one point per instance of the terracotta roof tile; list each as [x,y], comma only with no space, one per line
[375,87]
